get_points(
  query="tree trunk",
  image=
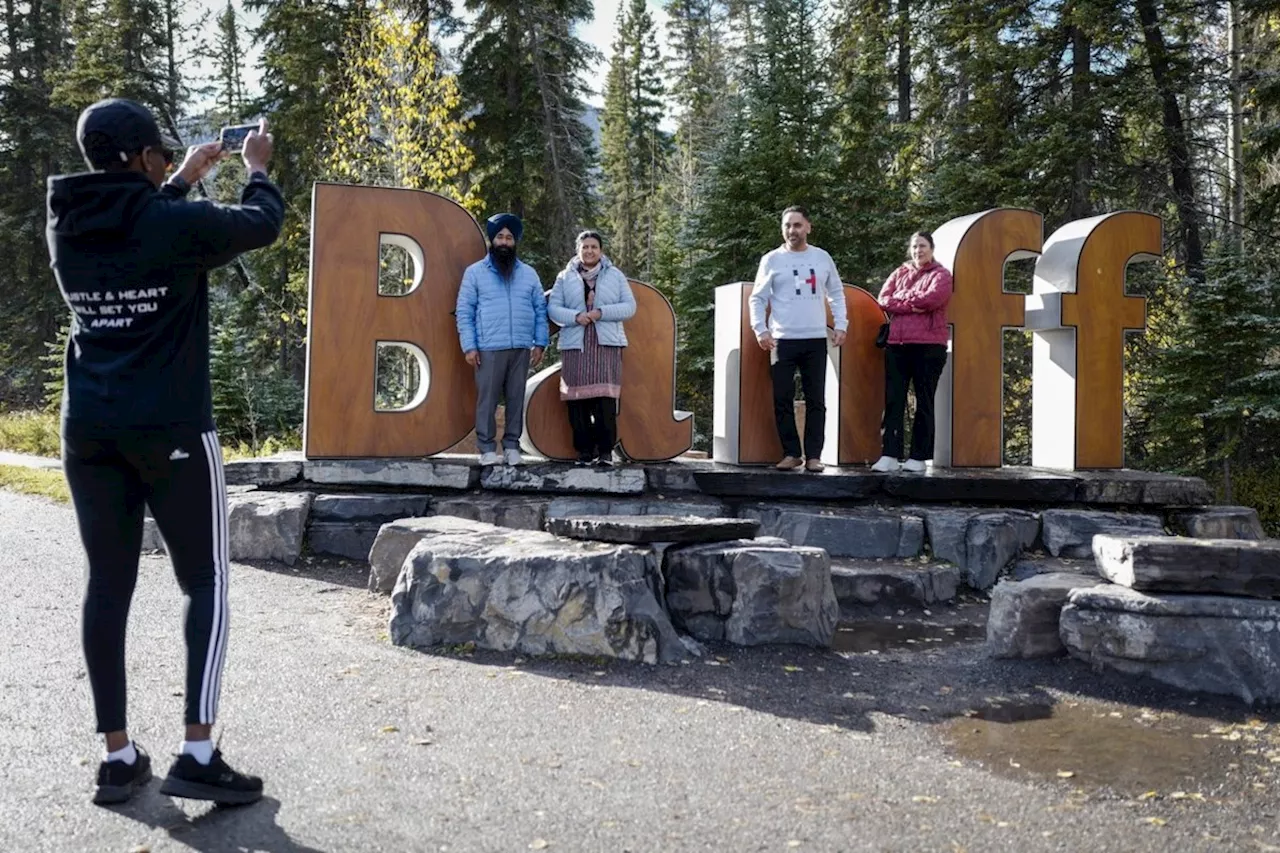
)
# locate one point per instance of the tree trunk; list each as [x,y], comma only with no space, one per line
[1081,69]
[1235,129]
[1175,136]
[904,61]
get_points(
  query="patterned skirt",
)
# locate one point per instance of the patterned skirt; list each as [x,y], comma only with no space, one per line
[593,371]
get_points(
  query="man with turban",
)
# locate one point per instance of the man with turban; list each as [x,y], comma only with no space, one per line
[502,326]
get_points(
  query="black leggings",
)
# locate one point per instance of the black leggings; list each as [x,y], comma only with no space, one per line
[179,475]
[595,426]
[920,365]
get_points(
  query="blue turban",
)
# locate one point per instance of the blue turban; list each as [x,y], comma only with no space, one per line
[509,221]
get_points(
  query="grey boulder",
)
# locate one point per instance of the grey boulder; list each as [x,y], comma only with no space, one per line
[1217,522]
[1199,643]
[1023,620]
[522,513]
[861,533]
[646,529]
[751,594]
[532,593]
[397,538]
[268,525]
[981,542]
[1070,532]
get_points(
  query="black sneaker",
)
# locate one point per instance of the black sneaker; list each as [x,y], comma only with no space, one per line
[117,781]
[215,781]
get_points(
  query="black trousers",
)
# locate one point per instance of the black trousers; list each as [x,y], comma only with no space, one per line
[595,427]
[178,473]
[809,356]
[911,364]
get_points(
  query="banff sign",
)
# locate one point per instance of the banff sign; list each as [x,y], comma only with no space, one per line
[1078,313]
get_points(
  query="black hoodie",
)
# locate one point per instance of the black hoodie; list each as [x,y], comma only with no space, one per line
[132,263]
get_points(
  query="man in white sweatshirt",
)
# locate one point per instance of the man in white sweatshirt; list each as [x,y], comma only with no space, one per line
[793,284]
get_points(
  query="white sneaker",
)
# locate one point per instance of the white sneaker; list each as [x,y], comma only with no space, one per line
[513,456]
[490,458]
[886,465]
[915,466]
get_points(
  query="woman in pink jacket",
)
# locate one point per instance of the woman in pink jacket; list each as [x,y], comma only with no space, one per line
[915,297]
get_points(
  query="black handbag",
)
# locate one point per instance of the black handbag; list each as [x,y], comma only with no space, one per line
[882,337]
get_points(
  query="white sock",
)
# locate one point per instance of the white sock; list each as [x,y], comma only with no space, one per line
[200,750]
[128,754]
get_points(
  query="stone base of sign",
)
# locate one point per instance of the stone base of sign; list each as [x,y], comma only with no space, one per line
[861,584]
[1024,618]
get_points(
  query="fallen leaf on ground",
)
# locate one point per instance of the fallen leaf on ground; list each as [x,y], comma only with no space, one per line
[386,730]
[1149,795]
[1066,774]
[790,668]
[1155,821]
[539,844]
[924,799]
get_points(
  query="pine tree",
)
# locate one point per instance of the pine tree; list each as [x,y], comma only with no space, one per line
[522,74]
[634,148]
[120,50]
[773,151]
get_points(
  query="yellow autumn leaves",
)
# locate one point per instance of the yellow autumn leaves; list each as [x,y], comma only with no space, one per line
[396,120]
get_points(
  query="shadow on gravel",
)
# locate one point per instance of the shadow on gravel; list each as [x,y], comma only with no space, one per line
[351,575]
[937,671]
[218,828]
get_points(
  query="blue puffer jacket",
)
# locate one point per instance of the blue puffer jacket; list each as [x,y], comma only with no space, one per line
[494,314]
[569,299]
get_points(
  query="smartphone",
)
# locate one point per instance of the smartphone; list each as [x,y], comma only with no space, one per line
[232,138]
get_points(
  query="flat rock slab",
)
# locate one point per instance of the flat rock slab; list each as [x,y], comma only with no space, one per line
[868,533]
[1028,567]
[980,542]
[533,593]
[1211,566]
[559,478]
[1024,615]
[415,473]
[1201,643]
[519,512]
[1217,522]
[751,594]
[349,540]
[368,508]
[266,471]
[1140,488]
[982,485]
[832,484]
[864,583]
[597,505]
[1070,532]
[267,525]
[644,529]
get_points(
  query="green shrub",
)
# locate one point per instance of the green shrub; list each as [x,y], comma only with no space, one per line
[1258,487]
[31,432]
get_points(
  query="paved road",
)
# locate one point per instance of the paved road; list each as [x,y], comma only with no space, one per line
[369,747]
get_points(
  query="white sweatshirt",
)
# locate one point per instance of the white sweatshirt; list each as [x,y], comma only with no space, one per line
[795,286]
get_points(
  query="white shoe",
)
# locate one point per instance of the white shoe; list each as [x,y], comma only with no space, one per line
[490,458]
[513,456]
[915,466]
[886,465]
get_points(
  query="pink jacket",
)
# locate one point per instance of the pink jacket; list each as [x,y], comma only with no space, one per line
[927,288]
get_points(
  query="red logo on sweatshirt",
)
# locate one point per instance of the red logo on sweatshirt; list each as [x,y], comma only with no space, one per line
[812,281]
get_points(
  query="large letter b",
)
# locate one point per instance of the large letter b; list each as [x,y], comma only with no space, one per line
[348,320]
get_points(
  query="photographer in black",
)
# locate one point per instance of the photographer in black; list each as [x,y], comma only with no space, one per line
[131,256]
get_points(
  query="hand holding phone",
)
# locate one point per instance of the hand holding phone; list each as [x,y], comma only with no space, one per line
[232,138]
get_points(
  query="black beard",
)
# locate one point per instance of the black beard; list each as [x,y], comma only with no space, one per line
[504,258]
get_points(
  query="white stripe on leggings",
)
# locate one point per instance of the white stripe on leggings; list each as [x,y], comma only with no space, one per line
[226,578]
[217,634]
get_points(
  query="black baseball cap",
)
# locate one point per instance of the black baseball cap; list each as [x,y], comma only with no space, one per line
[113,130]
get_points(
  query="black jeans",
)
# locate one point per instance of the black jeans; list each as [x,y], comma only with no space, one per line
[919,365]
[809,356]
[178,473]
[595,427]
